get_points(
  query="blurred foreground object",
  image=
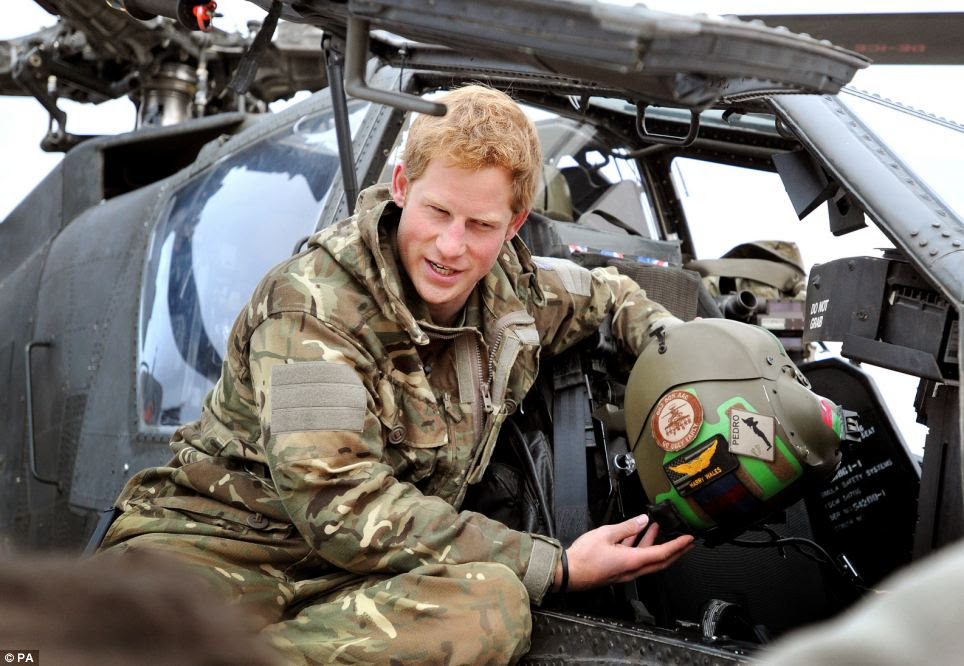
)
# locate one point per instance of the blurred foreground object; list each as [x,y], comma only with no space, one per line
[99,611]
[916,621]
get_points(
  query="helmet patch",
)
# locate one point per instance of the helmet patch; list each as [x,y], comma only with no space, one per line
[677,420]
[751,434]
[704,464]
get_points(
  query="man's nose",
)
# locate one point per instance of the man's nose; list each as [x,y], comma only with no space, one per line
[451,240]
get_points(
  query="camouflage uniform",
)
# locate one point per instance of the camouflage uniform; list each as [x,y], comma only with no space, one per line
[321,485]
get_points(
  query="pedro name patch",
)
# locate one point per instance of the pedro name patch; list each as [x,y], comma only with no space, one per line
[751,434]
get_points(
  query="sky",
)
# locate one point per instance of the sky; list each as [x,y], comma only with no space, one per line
[939,90]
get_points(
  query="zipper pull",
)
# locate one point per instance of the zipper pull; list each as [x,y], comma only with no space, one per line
[486,399]
[454,414]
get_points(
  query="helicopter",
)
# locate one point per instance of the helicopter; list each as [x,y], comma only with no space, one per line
[122,272]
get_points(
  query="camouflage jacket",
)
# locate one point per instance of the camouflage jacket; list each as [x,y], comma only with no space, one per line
[342,411]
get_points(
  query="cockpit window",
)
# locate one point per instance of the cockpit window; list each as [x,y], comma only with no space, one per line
[223,230]
[599,176]
[726,205]
[933,147]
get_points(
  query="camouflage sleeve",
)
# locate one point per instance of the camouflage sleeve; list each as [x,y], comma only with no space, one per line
[321,396]
[577,301]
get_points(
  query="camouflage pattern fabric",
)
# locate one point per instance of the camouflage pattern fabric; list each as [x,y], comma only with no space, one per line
[779,258]
[435,614]
[340,440]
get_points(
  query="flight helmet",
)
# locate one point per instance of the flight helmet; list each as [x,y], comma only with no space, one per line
[724,428]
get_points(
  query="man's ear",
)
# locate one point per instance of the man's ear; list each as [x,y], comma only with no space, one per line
[399,185]
[517,221]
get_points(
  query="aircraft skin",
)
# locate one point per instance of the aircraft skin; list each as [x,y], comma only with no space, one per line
[121,271]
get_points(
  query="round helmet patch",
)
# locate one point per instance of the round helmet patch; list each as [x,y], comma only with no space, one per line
[677,420]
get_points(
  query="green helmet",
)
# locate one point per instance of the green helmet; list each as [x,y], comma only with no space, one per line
[724,428]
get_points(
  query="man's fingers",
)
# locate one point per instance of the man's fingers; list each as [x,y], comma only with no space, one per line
[657,558]
[664,552]
[659,566]
[627,529]
[650,537]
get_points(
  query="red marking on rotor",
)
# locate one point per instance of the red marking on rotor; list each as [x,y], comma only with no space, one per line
[204,14]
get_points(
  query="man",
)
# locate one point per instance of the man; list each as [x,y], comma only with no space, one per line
[363,391]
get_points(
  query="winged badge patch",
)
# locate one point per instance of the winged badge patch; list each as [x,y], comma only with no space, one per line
[708,462]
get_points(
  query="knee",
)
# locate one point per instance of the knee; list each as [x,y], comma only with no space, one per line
[509,616]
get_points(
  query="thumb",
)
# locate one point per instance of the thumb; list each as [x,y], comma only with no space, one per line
[628,528]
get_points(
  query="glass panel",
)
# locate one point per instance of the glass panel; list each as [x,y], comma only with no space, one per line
[726,205]
[224,229]
[932,147]
[591,164]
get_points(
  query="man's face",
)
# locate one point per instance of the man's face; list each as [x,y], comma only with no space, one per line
[453,224]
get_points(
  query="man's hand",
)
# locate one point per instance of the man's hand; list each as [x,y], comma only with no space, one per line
[606,554]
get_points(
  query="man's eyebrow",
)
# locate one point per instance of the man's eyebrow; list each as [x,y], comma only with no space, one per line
[432,201]
[492,219]
[495,221]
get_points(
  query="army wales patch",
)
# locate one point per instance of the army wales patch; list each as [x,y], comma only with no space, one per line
[677,420]
[708,462]
[751,434]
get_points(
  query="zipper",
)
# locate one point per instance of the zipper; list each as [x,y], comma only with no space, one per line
[482,381]
[480,388]
[483,402]
[453,413]
[486,398]
[514,317]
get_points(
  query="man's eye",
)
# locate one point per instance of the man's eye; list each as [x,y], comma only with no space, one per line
[436,209]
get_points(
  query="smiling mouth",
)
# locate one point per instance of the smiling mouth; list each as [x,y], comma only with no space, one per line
[440,269]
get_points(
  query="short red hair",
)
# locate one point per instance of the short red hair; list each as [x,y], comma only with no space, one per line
[483,128]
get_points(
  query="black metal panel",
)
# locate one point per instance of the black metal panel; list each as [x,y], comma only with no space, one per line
[868,511]
[17,299]
[591,247]
[925,38]
[759,580]
[844,297]
[806,183]
[885,314]
[631,46]
[32,223]
[942,496]
[87,307]
[568,638]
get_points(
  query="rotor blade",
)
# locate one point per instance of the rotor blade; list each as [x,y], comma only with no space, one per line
[892,39]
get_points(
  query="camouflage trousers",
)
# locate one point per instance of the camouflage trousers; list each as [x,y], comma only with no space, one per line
[435,614]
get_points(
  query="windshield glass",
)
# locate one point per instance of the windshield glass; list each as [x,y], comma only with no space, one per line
[222,231]
[932,147]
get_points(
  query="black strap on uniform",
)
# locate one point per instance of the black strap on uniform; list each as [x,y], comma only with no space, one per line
[104,521]
[571,434]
